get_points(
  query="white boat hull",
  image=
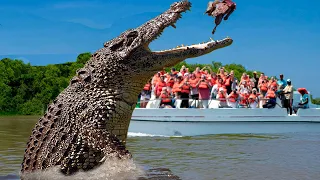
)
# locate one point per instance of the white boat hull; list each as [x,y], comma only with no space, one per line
[193,122]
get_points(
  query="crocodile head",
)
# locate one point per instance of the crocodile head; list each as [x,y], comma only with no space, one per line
[125,63]
[131,43]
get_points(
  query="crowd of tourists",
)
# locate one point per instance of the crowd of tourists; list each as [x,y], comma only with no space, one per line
[198,88]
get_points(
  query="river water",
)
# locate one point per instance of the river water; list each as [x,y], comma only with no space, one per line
[294,156]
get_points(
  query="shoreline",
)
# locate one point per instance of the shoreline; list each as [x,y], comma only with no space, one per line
[17,117]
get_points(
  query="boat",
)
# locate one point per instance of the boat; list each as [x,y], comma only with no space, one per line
[214,120]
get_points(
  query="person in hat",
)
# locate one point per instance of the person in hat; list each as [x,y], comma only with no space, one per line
[304,100]
[288,96]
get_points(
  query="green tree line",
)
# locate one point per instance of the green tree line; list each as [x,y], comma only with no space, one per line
[27,89]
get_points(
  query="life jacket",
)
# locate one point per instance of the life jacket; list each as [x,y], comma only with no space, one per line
[245,79]
[264,87]
[227,82]
[233,97]
[185,89]
[165,98]
[176,87]
[162,72]
[271,94]
[222,98]
[193,82]
[213,81]
[160,86]
[273,85]
[222,76]
[156,79]
[244,99]
[170,83]
[252,98]
[203,85]
[198,75]
[147,87]
[221,85]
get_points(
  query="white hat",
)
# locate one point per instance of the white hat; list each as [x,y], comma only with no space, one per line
[288,80]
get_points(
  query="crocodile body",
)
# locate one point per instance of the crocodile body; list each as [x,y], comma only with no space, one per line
[87,123]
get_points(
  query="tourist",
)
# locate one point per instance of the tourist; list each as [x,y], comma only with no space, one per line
[165,98]
[228,83]
[281,85]
[263,88]
[271,99]
[244,96]
[160,84]
[253,99]
[304,100]
[256,79]
[145,94]
[233,99]
[176,90]
[222,97]
[194,90]
[204,91]
[288,94]
[185,91]
[170,82]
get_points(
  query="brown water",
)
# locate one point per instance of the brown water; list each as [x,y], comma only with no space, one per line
[278,156]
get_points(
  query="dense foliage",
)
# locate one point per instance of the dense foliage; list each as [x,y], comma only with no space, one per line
[27,89]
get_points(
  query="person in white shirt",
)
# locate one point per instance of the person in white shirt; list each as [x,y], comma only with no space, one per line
[288,94]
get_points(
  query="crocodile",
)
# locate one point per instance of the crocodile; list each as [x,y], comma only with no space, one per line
[86,125]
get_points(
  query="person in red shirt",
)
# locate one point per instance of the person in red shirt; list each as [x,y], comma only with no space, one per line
[185,91]
[204,91]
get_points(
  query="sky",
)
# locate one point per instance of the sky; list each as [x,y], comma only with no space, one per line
[270,36]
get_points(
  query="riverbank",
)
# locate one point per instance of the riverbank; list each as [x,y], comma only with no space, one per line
[19,117]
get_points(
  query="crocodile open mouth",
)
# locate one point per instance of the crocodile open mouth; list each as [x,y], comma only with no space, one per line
[169,18]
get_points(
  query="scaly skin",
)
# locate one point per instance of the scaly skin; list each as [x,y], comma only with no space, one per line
[88,122]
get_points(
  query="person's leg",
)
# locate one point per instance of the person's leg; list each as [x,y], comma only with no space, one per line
[185,100]
[285,104]
[205,103]
[290,106]
[197,100]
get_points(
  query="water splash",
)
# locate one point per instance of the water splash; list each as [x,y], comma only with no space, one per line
[110,170]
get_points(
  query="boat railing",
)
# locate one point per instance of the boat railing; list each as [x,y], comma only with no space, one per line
[155,102]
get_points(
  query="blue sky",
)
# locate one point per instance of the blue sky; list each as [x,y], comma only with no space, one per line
[270,36]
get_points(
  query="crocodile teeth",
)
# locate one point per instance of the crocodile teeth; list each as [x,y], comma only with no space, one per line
[174,26]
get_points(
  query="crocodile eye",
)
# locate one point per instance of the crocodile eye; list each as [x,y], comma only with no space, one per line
[116,46]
